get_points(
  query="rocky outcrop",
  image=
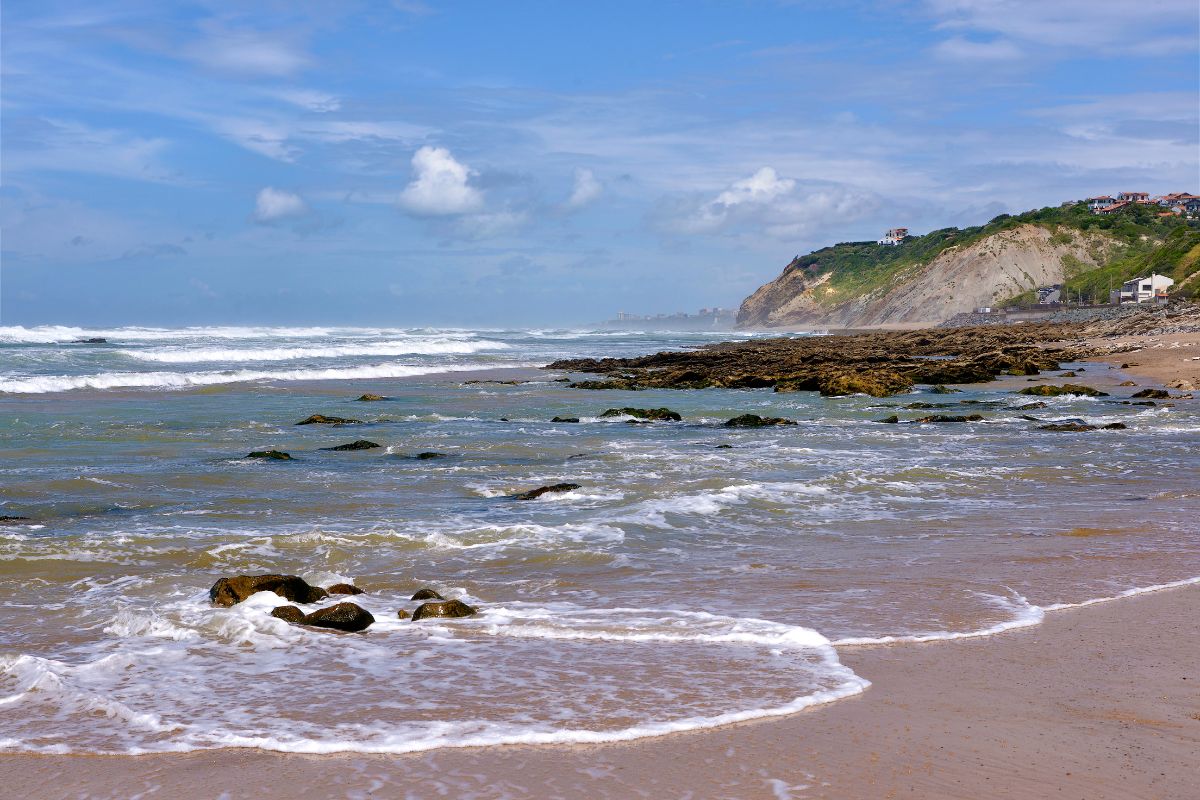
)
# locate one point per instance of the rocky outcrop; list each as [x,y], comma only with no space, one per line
[876,383]
[534,494]
[443,608]
[654,414]
[755,421]
[361,444]
[1048,390]
[13,520]
[270,455]
[321,419]
[344,588]
[1156,394]
[371,398]
[231,591]
[426,594]
[565,419]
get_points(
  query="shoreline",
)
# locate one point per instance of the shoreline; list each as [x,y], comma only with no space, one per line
[1062,703]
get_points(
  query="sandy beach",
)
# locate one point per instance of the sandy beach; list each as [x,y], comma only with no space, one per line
[1094,703]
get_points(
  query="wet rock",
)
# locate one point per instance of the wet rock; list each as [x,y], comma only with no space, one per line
[444,608]
[344,588]
[892,420]
[371,398]
[270,455]
[1068,375]
[92,340]
[426,594]
[429,454]
[923,405]
[565,419]
[288,614]
[755,421]
[1067,427]
[231,591]
[1115,426]
[656,414]
[943,389]
[1049,390]
[723,447]
[1152,394]
[361,444]
[495,383]
[1127,383]
[402,614]
[939,418]
[1029,418]
[1029,406]
[321,419]
[349,617]
[533,494]
[6,519]
[876,383]
[1182,385]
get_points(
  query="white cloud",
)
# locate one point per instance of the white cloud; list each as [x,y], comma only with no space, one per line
[246,52]
[311,100]
[747,194]
[440,186]
[958,48]
[265,138]
[586,190]
[275,204]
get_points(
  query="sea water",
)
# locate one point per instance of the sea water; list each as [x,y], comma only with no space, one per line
[685,584]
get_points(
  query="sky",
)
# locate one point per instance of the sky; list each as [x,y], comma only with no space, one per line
[523,164]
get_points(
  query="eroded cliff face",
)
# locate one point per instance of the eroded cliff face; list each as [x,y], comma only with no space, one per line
[959,279]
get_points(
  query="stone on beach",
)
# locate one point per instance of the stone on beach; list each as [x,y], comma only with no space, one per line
[443,608]
[361,444]
[270,455]
[344,588]
[876,383]
[349,617]
[288,613]
[1153,394]
[533,494]
[321,419]
[426,594]
[231,591]
[755,421]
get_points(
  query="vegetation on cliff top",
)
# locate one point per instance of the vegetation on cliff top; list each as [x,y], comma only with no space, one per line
[1146,241]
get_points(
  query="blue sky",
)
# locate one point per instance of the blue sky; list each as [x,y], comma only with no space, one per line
[509,163]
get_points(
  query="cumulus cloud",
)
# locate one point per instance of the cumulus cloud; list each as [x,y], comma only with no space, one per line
[748,194]
[586,190]
[440,185]
[274,204]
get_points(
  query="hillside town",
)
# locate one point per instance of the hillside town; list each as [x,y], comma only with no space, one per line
[1179,203]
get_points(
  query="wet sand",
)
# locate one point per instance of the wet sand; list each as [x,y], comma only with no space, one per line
[1168,359]
[1097,702]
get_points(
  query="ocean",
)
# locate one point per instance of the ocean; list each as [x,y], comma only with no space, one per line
[700,575]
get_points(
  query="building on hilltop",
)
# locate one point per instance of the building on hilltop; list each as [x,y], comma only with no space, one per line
[1109,209]
[1134,197]
[894,236]
[1100,202]
[1141,290]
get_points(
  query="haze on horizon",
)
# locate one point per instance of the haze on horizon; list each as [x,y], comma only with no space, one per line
[422,163]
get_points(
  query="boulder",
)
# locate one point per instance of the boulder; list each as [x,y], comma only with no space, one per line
[876,383]
[1049,390]
[1029,406]
[6,519]
[428,454]
[231,591]
[943,389]
[270,455]
[533,494]
[348,617]
[426,594]
[1152,394]
[361,444]
[922,405]
[344,588]
[1127,383]
[723,447]
[402,614]
[1115,426]
[92,340]
[755,421]
[1067,427]
[288,614]
[565,419]
[1068,375]
[321,419]
[892,420]
[951,418]
[443,608]
[657,414]
[371,398]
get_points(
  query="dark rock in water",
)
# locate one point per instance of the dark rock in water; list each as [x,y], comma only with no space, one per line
[1116,426]
[402,614]
[943,389]
[349,617]
[724,447]
[444,608]
[504,419]
[231,591]
[565,419]
[1029,406]
[1067,427]
[428,454]
[11,520]
[496,383]
[288,614]
[1029,418]
[1049,390]
[1140,403]
[92,340]
[892,420]
[755,421]
[1127,365]
[1127,383]
[1154,394]
[951,418]
[426,594]
[876,383]
[920,404]
[370,398]
[1080,369]
[271,455]
[321,419]
[658,414]
[1068,375]
[344,588]
[533,494]
[361,444]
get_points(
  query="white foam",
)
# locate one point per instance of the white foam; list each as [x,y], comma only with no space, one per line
[184,355]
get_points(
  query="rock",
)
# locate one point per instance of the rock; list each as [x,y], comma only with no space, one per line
[1068,427]
[658,414]
[565,419]
[402,614]
[231,591]
[1152,394]
[1126,383]
[943,389]
[428,454]
[936,418]
[1068,375]
[371,398]
[349,617]
[892,420]
[344,588]
[1127,365]
[1115,426]
[497,383]
[1049,390]
[533,494]
[876,383]
[271,455]
[1182,385]
[723,447]
[426,594]
[361,444]
[288,614]
[321,419]
[11,520]
[922,405]
[92,340]
[444,608]
[1029,418]
[755,421]
[1029,406]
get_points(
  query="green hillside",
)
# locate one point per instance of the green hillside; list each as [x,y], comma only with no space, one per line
[1147,243]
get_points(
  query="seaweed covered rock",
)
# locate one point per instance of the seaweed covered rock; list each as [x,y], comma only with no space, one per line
[349,617]
[270,455]
[534,494]
[8,519]
[231,591]
[942,388]
[361,444]
[443,608]
[1067,427]
[755,421]
[288,614]
[321,419]
[655,414]
[876,383]
[939,418]
[892,420]
[565,419]
[1049,390]
[371,398]
[426,594]
[1152,394]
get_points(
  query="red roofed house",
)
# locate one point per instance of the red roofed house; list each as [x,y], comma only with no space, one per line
[1100,202]
[1117,206]
[1134,197]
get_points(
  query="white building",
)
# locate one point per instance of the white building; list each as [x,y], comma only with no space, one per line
[894,236]
[1139,290]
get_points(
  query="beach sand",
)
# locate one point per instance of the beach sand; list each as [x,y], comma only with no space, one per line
[1096,702]
[1168,359]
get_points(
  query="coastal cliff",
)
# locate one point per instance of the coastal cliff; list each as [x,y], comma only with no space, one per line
[928,279]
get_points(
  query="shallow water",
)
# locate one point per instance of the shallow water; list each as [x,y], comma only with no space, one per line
[683,585]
